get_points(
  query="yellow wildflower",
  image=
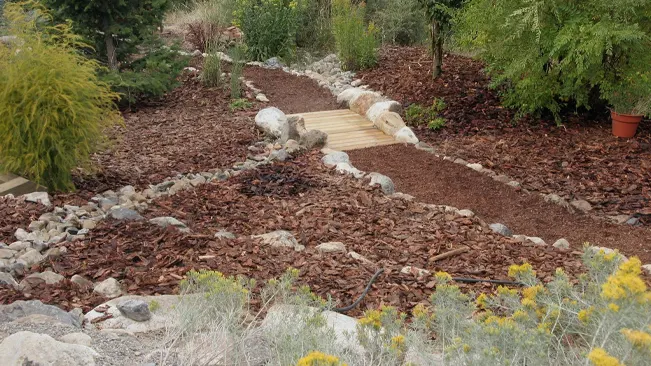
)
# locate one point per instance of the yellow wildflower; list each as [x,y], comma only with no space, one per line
[372,318]
[528,303]
[520,315]
[316,358]
[398,343]
[584,314]
[501,290]
[638,338]
[466,348]
[516,270]
[482,301]
[626,282]
[419,311]
[613,307]
[599,357]
[532,292]
[443,277]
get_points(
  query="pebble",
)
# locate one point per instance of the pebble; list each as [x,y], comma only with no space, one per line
[561,244]
[331,247]
[81,281]
[415,270]
[501,229]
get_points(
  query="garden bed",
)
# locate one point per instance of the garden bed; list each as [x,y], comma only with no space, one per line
[580,160]
[317,205]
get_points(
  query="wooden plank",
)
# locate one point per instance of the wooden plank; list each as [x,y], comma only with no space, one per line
[335,112]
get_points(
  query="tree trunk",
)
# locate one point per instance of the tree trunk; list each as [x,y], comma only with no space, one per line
[110,45]
[437,49]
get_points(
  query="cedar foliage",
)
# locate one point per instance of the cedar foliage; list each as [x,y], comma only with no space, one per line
[53,108]
[550,54]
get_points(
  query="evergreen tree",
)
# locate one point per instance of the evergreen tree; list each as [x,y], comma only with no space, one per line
[115,27]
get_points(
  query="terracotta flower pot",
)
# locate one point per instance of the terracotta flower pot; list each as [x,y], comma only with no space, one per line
[625,125]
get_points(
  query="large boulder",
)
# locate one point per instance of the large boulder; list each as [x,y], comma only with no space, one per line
[378,108]
[335,157]
[389,123]
[271,121]
[164,313]
[27,348]
[363,102]
[20,309]
[108,288]
[406,135]
[345,97]
[38,197]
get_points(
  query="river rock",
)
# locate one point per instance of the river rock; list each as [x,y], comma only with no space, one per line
[385,183]
[170,221]
[377,109]
[582,205]
[406,135]
[108,288]
[31,257]
[389,123]
[331,247]
[133,309]
[38,197]
[335,157]
[363,102]
[314,139]
[77,338]
[501,229]
[271,121]
[346,168]
[561,244]
[124,214]
[20,309]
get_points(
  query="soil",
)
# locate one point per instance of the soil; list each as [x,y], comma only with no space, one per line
[290,93]
[579,160]
[435,180]
[317,205]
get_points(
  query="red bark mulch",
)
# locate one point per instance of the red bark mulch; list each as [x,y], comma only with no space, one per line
[16,213]
[435,180]
[317,206]
[580,160]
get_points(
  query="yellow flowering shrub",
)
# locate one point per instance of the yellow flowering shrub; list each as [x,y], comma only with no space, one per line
[319,359]
[599,357]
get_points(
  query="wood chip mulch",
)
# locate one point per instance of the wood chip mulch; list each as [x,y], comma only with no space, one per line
[317,205]
[15,213]
[580,160]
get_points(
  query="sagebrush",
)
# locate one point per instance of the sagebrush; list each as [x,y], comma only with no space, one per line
[53,107]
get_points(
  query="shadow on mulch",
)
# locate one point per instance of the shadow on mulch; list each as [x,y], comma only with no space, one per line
[580,160]
[435,180]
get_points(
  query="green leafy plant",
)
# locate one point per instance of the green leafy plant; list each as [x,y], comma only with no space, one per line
[547,55]
[211,75]
[240,104]
[53,108]
[357,43]
[269,27]
[631,95]
[154,305]
[416,114]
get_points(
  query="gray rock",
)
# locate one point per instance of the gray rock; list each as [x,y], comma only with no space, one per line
[108,288]
[271,121]
[406,135]
[7,280]
[262,98]
[48,277]
[293,147]
[279,239]
[475,167]
[38,197]
[582,205]
[465,213]
[81,281]
[633,221]
[514,184]
[595,250]
[561,244]
[197,181]
[501,229]
[18,268]
[21,235]
[127,191]
[460,161]
[137,310]
[162,187]
[502,178]
[384,182]
[419,272]
[279,155]
[20,309]
[346,168]
[273,62]
[170,221]
[331,247]
[556,199]
[31,257]
[222,234]
[37,225]
[530,240]
[647,269]
[314,139]
[7,253]
[77,338]
[56,252]
[106,203]
[359,257]
[27,348]
[425,147]
[124,214]
[333,158]
[293,129]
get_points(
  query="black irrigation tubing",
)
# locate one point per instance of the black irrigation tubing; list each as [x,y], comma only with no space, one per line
[456,279]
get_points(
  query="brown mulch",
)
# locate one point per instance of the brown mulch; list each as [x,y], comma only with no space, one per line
[435,180]
[16,213]
[191,129]
[290,93]
[317,205]
[580,160]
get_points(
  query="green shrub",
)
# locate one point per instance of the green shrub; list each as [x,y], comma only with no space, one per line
[269,27]
[400,22]
[416,114]
[53,108]
[551,54]
[205,20]
[211,74]
[357,43]
[148,77]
